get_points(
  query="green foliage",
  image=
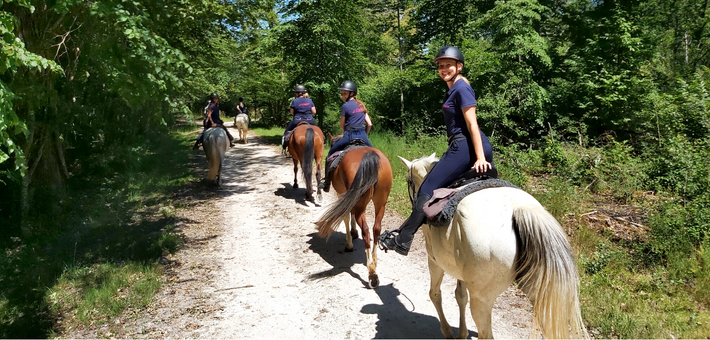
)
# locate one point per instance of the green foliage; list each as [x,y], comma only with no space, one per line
[108,235]
[14,56]
[598,261]
[514,96]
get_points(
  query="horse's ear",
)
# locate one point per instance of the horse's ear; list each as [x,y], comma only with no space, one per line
[433,155]
[330,136]
[407,163]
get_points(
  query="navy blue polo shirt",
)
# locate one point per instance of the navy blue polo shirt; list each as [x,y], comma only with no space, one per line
[354,115]
[215,113]
[459,96]
[302,107]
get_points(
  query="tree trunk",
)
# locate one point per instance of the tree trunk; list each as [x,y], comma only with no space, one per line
[320,107]
[24,190]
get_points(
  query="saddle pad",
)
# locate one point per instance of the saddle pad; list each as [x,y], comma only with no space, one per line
[440,209]
[287,135]
[334,159]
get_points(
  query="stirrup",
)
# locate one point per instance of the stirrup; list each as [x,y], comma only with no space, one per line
[388,241]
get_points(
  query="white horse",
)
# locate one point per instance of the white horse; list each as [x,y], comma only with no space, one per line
[241,122]
[215,143]
[499,236]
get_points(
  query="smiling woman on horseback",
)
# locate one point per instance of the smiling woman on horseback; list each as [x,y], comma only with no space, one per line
[354,120]
[302,110]
[468,148]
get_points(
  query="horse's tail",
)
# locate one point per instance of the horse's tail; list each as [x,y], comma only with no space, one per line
[307,162]
[365,178]
[215,144]
[547,274]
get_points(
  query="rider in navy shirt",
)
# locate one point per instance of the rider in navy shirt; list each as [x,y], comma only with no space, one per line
[213,119]
[302,110]
[354,120]
[468,148]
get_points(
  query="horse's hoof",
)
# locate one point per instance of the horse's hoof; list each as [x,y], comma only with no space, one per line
[295,185]
[319,199]
[349,250]
[374,281]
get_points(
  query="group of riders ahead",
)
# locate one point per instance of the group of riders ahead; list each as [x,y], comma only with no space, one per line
[468,149]
[212,119]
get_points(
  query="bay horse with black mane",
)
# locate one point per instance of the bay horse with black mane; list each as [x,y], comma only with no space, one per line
[306,146]
[363,175]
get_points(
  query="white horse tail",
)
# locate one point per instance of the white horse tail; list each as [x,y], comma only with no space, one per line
[546,272]
[215,145]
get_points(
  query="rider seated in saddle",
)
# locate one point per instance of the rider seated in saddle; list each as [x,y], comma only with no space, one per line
[354,121]
[212,120]
[241,108]
[468,148]
[302,110]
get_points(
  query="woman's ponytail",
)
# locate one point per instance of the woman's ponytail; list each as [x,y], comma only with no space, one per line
[362,105]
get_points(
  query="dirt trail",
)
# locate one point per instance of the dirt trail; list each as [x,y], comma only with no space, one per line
[254,267]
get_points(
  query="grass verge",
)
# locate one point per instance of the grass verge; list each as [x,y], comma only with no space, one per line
[99,256]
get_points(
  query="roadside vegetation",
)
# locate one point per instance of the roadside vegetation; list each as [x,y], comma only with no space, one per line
[598,108]
[98,255]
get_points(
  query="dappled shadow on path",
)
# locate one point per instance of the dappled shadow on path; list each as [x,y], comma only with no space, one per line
[332,251]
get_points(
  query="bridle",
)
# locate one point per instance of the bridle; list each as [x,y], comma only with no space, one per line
[410,184]
[410,190]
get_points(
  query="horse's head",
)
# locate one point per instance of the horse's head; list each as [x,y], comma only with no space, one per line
[418,169]
[334,139]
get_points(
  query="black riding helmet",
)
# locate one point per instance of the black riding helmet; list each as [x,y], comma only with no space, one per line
[449,52]
[348,86]
[213,95]
[299,89]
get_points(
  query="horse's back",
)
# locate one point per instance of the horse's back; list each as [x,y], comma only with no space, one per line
[480,241]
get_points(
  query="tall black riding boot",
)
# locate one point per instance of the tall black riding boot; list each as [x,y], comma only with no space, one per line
[326,181]
[198,141]
[400,240]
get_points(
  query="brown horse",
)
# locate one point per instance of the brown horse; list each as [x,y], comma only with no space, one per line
[363,175]
[306,146]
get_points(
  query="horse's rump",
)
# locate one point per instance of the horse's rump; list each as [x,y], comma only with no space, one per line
[358,185]
[215,143]
[529,246]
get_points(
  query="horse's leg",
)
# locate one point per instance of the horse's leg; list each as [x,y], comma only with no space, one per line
[437,276]
[373,279]
[318,159]
[481,308]
[295,172]
[348,236]
[353,228]
[462,300]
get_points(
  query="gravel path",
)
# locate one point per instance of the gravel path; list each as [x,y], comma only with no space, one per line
[254,267]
